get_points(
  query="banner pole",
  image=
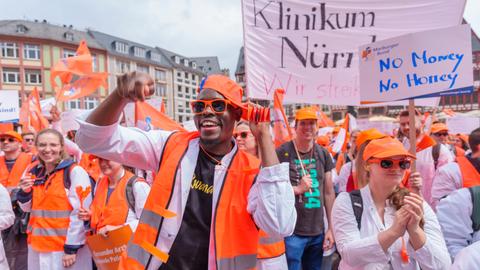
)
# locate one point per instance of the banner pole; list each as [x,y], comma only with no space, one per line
[412,135]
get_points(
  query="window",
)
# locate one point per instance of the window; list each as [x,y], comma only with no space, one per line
[31,51]
[179,74]
[9,50]
[90,103]
[122,66]
[22,29]
[156,57]
[94,63]
[160,75]
[185,62]
[11,75]
[143,69]
[139,52]
[68,36]
[121,47]
[33,76]
[187,90]
[68,53]
[186,104]
[180,118]
[194,77]
[194,65]
[161,89]
[73,104]
[177,59]
[179,88]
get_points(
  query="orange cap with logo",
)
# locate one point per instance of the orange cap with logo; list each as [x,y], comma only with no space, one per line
[437,127]
[11,134]
[306,113]
[384,148]
[368,135]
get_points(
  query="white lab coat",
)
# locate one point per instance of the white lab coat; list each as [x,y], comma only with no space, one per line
[447,179]
[75,234]
[7,217]
[468,258]
[362,250]
[454,214]
[271,201]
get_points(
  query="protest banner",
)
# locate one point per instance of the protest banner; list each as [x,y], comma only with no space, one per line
[107,251]
[419,65]
[310,48]
[9,107]
[462,124]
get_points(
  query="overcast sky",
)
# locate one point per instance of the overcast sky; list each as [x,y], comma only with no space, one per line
[188,27]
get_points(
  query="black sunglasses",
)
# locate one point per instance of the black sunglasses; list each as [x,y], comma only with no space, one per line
[218,105]
[243,134]
[441,134]
[7,139]
[404,164]
[28,140]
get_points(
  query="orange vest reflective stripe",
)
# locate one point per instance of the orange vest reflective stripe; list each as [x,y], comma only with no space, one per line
[115,211]
[49,215]
[270,247]
[470,175]
[12,178]
[235,233]
[91,164]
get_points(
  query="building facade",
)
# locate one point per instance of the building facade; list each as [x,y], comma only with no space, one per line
[29,49]
[186,79]
[127,56]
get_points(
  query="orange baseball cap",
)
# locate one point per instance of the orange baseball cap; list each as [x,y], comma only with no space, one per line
[225,86]
[323,140]
[385,147]
[12,134]
[306,113]
[368,135]
[437,127]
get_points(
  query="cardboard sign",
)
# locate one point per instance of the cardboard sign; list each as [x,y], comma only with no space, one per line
[9,107]
[107,251]
[425,64]
[310,48]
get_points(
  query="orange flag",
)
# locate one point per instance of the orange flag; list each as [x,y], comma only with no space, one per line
[162,107]
[31,116]
[424,143]
[82,86]
[281,128]
[148,117]
[323,119]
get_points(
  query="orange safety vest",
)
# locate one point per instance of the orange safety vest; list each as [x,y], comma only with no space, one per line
[115,210]
[470,175]
[11,179]
[235,234]
[50,214]
[270,247]
[91,164]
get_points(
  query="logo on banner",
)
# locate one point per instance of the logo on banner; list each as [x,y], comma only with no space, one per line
[367,53]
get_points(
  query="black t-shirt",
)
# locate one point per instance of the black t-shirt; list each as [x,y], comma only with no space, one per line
[309,205]
[190,248]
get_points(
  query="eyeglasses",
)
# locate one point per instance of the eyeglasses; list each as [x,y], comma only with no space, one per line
[243,134]
[218,105]
[7,139]
[441,134]
[404,164]
[28,140]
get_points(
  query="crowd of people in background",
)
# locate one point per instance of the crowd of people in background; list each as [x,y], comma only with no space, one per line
[224,197]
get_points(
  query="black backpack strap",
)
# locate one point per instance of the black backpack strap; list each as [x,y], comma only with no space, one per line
[129,192]
[475,194]
[436,154]
[357,206]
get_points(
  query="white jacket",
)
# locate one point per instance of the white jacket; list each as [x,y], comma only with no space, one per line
[447,179]
[454,214]
[270,200]
[362,250]
[7,217]
[468,258]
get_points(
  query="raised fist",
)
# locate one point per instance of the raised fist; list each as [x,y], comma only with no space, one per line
[135,86]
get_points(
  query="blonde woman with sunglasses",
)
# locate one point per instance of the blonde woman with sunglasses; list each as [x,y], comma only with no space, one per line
[388,227]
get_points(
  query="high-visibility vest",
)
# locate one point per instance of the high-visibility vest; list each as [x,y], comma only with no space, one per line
[50,213]
[91,164]
[270,247]
[235,233]
[11,179]
[115,210]
[470,175]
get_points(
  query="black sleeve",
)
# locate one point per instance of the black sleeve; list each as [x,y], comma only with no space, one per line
[328,161]
[281,150]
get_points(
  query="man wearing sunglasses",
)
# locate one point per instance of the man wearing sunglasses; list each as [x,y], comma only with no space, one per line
[430,156]
[465,172]
[209,198]
[28,142]
[440,134]
[12,165]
